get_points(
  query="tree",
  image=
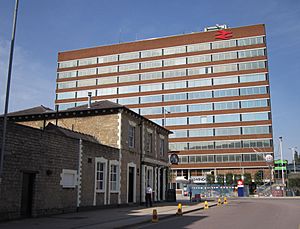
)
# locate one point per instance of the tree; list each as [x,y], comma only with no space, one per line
[294,182]
[296,157]
[229,178]
[220,179]
[247,178]
[210,179]
[258,177]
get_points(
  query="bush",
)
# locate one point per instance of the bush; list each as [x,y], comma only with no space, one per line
[229,178]
[220,179]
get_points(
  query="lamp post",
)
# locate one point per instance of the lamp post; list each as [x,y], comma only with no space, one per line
[281,157]
[8,87]
[293,154]
[168,112]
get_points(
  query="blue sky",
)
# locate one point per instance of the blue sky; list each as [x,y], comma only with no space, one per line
[46,27]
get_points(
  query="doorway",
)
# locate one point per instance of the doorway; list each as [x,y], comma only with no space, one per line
[27,194]
[131,184]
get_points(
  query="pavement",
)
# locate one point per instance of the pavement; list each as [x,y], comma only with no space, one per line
[123,217]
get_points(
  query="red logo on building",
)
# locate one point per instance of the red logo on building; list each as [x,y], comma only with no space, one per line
[224,35]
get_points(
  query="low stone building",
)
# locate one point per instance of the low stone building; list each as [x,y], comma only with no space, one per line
[142,144]
[53,170]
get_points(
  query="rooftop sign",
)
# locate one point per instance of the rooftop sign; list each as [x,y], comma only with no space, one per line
[223,35]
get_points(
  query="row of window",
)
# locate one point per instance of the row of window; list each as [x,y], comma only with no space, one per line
[211,145]
[221,131]
[164,97]
[168,85]
[223,118]
[161,52]
[224,158]
[158,64]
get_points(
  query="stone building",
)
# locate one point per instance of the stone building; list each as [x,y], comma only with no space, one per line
[52,171]
[142,144]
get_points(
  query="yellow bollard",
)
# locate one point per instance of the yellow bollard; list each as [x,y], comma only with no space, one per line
[225,200]
[179,209]
[154,216]
[219,202]
[206,205]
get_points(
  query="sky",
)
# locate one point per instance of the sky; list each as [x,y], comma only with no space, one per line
[46,27]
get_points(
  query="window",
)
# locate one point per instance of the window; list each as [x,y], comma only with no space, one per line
[129,89]
[199,59]
[68,74]
[226,93]
[223,44]
[106,59]
[107,80]
[252,65]
[65,106]
[174,50]
[107,91]
[100,174]
[225,68]
[228,144]
[68,178]
[161,146]
[67,64]
[176,109]
[228,131]
[149,142]
[255,116]
[254,103]
[151,75]
[150,53]
[175,97]
[199,83]
[256,130]
[253,90]
[198,47]
[252,78]
[129,67]
[66,95]
[107,69]
[176,121]
[131,136]
[128,78]
[179,134]
[88,71]
[199,71]
[68,84]
[226,105]
[264,143]
[174,73]
[151,87]
[129,56]
[175,85]
[199,95]
[87,61]
[224,56]
[201,132]
[175,61]
[151,64]
[250,41]
[226,80]
[201,145]
[84,94]
[151,110]
[251,53]
[178,146]
[114,177]
[151,99]
[227,118]
[87,82]
[200,107]
[200,119]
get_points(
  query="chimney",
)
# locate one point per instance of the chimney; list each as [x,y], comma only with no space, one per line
[89,99]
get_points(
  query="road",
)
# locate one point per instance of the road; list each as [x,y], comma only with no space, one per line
[240,214]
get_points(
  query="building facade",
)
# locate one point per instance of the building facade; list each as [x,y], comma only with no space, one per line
[211,89]
[142,144]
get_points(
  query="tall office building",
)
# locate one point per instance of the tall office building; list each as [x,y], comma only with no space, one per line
[210,88]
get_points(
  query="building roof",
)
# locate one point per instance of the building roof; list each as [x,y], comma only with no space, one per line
[69,133]
[97,108]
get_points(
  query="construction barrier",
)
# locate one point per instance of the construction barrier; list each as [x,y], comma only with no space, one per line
[206,205]
[154,216]
[225,200]
[179,210]
[219,202]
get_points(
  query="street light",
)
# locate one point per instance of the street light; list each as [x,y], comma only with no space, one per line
[168,112]
[282,173]
[293,154]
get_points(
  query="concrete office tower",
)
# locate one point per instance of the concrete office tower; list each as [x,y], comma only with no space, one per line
[210,88]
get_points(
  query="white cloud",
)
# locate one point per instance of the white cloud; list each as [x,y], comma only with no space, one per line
[32,80]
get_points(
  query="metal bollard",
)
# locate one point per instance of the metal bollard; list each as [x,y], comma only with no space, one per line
[154,216]
[179,210]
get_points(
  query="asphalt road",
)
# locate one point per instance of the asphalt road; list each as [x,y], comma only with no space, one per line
[240,214]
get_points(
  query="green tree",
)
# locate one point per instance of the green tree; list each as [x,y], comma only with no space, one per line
[258,177]
[229,178]
[210,179]
[237,177]
[220,179]
[294,182]
[247,178]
